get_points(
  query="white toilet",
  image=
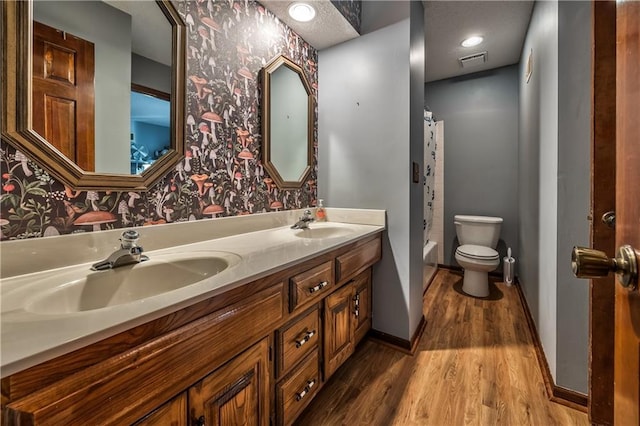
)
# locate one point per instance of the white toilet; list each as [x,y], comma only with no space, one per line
[478,237]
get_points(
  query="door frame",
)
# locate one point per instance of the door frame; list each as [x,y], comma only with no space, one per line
[603,199]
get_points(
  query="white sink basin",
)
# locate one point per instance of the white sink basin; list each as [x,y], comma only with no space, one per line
[324,231]
[90,290]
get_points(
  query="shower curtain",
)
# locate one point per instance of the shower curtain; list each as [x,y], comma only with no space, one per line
[429,172]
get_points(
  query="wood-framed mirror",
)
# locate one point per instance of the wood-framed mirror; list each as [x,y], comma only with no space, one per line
[27,58]
[287,123]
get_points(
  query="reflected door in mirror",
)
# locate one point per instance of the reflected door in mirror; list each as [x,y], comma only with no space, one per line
[63,96]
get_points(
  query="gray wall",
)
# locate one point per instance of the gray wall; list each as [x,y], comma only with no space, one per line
[368,137]
[537,178]
[416,143]
[480,113]
[150,73]
[109,30]
[382,13]
[574,195]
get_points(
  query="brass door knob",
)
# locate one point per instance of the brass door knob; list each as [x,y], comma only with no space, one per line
[590,263]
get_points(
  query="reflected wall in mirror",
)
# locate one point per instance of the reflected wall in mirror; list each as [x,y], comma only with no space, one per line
[82,77]
[288,121]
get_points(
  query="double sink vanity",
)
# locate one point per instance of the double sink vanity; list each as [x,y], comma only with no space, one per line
[231,321]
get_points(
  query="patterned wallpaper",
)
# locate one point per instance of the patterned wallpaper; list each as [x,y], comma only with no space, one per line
[351,10]
[221,175]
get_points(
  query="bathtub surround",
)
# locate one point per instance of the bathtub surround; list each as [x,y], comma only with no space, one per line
[481,150]
[211,181]
[369,137]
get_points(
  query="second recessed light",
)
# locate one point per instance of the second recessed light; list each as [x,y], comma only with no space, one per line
[472,41]
[302,12]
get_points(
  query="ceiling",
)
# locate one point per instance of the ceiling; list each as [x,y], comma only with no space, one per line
[503,24]
[327,29]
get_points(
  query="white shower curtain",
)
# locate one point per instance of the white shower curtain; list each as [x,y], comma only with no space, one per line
[429,172]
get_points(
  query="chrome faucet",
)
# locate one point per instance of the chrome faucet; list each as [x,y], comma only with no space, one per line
[303,223]
[129,252]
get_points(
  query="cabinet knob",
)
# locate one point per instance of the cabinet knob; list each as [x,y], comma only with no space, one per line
[306,390]
[318,287]
[200,421]
[307,336]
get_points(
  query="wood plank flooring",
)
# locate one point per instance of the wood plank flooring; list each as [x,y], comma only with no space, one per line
[475,365]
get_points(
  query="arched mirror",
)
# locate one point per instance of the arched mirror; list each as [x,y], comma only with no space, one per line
[287,123]
[94,90]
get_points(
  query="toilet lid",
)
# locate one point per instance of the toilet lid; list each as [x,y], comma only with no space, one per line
[477,252]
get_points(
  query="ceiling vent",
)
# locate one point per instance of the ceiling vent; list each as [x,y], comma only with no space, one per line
[473,60]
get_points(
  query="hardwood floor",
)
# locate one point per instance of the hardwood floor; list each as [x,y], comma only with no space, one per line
[475,365]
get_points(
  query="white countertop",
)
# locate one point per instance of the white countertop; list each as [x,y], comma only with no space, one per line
[29,338]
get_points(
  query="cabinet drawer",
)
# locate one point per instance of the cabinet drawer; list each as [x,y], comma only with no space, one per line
[295,392]
[297,340]
[310,285]
[351,262]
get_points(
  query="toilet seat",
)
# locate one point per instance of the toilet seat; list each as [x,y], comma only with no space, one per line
[473,252]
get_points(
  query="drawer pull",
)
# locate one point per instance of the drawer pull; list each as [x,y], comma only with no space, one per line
[306,389]
[307,336]
[318,287]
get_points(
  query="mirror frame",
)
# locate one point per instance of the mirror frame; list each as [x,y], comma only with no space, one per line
[266,122]
[17,40]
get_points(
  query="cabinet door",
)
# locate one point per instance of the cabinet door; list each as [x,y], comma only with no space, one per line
[362,305]
[338,329]
[172,413]
[235,394]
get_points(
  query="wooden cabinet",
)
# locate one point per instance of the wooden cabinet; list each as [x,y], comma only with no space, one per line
[129,385]
[347,320]
[297,339]
[362,305]
[310,286]
[172,413]
[236,358]
[235,394]
[297,389]
[356,260]
[338,329]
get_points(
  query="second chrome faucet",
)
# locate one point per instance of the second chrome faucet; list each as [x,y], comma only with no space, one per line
[303,223]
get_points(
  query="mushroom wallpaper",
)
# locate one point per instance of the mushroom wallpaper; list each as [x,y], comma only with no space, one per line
[221,174]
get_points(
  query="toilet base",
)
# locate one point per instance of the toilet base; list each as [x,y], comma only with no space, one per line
[476,283]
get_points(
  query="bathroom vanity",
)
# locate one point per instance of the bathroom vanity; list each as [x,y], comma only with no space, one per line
[253,347]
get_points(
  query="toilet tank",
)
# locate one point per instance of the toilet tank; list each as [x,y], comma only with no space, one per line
[478,230]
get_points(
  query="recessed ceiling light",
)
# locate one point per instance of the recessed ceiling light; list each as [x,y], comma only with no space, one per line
[302,12]
[472,41]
